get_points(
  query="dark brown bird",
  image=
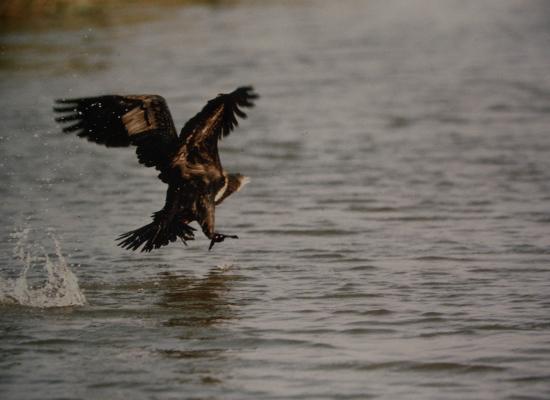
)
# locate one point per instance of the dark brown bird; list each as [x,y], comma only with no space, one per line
[188,163]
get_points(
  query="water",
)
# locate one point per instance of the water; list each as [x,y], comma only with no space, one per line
[394,240]
[59,289]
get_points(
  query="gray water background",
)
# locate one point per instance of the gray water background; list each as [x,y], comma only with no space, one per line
[394,240]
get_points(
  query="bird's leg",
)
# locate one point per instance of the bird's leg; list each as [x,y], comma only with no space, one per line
[187,234]
[220,237]
[185,237]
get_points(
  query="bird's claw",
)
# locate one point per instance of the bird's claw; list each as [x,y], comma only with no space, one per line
[185,238]
[220,237]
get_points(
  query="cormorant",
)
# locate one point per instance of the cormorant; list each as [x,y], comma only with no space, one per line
[188,163]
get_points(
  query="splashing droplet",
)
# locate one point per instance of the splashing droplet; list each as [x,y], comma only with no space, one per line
[60,287]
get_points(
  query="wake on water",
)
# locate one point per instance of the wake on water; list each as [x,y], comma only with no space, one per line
[59,288]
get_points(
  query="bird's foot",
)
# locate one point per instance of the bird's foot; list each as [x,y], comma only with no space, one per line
[185,239]
[220,237]
[186,236]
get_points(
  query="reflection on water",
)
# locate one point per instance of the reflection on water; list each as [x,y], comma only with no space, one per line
[197,309]
[40,15]
[80,56]
[32,38]
[199,301]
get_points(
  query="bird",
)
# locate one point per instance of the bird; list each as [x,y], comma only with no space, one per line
[189,163]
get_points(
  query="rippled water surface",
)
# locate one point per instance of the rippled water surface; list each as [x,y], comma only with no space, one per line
[394,240]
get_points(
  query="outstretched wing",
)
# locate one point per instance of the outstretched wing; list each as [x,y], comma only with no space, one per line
[198,154]
[218,118]
[118,121]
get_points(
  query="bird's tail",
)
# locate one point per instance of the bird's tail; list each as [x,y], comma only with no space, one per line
[158,233]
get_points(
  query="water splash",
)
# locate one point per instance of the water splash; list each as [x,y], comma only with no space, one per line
[58,289]
[224,267]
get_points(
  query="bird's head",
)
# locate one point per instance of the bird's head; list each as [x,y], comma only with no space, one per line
[238,181]
[234,183]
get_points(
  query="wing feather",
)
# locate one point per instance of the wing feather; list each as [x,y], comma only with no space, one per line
[120,121]
[198,155]
[219,117]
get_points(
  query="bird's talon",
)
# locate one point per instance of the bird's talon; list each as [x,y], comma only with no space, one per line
[220,237]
